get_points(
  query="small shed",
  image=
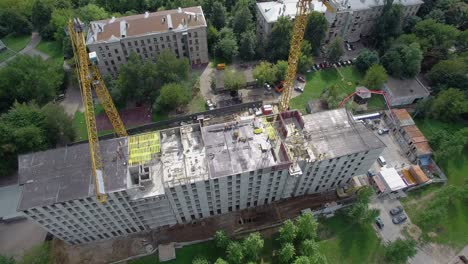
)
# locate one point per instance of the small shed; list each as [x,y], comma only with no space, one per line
[392,179]
[418,174]
[405,92]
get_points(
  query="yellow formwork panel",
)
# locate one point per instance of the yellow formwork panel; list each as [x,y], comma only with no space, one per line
[141,148]
[269,129]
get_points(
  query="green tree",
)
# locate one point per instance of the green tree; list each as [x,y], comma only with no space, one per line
[221,239]
[213,36]
[219,18]
[235,254]
[462,41]
[316,30]
[29,78]
[438,35]
[7,260]
[200,260]
[449,73]
[41,14]
[264,72]
[252,246]
[288,232]
[172,95]
[449,105]
[233,80]
[388,24]
[247,45]
[227,44]
[280,38]
[335,50]
[306,226]
[14,22]
[400,251]
[58,23]
[281,69]
[359,212]
[58,124]
[302,260]
[286,253]
[221,261]
[305,58]
[91,12]
[309,248]
[366,59]
[333,95]
[410,22]
[447,145]
[171,69]
[403,61]
[241,20]
[375,77]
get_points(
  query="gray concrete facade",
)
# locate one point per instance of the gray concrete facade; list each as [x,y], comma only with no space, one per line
[186,173]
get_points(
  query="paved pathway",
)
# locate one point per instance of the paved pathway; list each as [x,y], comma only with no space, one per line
[29,49]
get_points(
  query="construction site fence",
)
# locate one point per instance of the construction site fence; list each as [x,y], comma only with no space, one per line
[176,121]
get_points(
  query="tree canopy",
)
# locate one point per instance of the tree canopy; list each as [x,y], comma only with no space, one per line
[400,251]
[227,44]
[247,45]
[375,77]
[288,232]
[359,212]
[253,246]
[403,61]
[316,30]
[388,24]
[287,253]
[449,105]
[449,73]
[335,50]
[219,18]
[280,38]
[366,59]
[172,95]
[264,73]
[29,78]
[233,80]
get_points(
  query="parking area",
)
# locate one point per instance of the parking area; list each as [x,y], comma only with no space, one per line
[390,231]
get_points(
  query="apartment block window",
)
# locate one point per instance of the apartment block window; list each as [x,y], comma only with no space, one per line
[107,47]
[116,51]
[138,50]
[190,35]
[195,34]
[148,41]
[118,58]
[142,42]
[136,43]
[109,54]
[112,62]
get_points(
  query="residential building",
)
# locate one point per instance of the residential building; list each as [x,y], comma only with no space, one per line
[349,19]
[269,12]
[185,173]
[182,31]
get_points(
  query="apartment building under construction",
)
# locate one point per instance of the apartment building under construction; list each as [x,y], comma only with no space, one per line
[181,174]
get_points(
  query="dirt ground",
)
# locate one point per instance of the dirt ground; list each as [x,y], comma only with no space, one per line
[131,117]
[235,223]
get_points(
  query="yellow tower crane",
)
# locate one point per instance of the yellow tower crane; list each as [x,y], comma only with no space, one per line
[88,77]
[303,7]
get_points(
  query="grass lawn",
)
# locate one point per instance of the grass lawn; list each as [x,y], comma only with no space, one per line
[53,49]
[452,231]
[79,123]
[197,104]
[15,44]
[347,78]
[349,243]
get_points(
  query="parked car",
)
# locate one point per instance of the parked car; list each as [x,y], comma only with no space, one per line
[348,46]
[399,219]
[397,210]
[267,86]
[379,223]
[383,131]
[382,161]
[301,79]
[370,173]
[299,89]
[210,104]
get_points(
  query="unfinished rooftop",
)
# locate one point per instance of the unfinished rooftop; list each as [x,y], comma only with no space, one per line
[115,29]
[145,164]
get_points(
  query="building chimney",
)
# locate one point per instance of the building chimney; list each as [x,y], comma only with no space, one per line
[146,14]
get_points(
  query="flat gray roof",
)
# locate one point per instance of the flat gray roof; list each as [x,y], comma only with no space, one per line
[64,174]
[333,134]
[408,87]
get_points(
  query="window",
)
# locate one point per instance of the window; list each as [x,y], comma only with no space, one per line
[118,58]
[136,43]
[116,51]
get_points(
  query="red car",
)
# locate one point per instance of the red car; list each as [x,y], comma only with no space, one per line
[301,79]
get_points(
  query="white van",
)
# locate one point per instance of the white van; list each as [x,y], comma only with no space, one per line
[382,161]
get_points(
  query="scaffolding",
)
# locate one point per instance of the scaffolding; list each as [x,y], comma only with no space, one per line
[142,148]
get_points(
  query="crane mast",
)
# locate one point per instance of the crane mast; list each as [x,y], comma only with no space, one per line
[294,52]
[88,77]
